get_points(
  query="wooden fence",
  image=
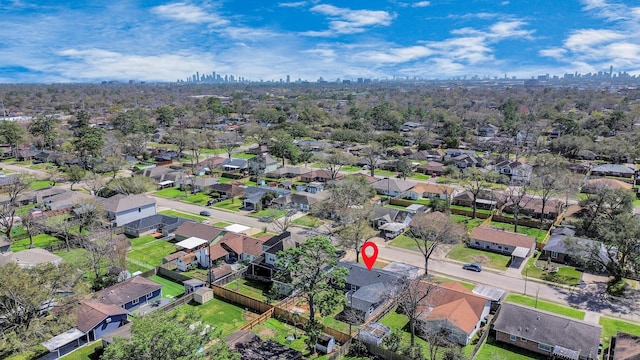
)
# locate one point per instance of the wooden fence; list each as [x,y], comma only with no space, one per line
[235,276]
[401,202]
[240,299]
[469,213]
[149,273]
[485,334]
[259,320]
[524,222]
[385,353]
[178,302]
[172,275]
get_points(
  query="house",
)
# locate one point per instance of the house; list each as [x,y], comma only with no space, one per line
[227,190]
[431,168]
[410,126]
[314,187]
[259,197]
[563,247]
[155,223]
[263,163]
[232,248]
[123,209]
[454,309]
[548,334]
[65,200]
[465,160]
[624,346]
[593,186]
[383,215]
[430,191]
[367,291]
[322,176]
[519,246]
[48,157]
[199,183]
[234,165]
[156,173]
[130,293]
[485,199]
[93,320]
[488,130]
[303,200]
[262,267]
[193,229]
[393,187]
[207,165]
[30,258]
[532,206]
[517,171]
[613,170]
[289,172]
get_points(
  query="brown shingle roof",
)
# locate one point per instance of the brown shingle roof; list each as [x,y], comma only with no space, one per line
[121,293]
[453,303]
[239,243]
[91,313]
[500,236]
[202,231]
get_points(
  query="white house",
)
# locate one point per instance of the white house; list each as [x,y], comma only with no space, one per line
[123,209]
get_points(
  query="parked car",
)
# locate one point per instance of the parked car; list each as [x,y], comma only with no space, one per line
[205,213]
[266,219]
[472,267]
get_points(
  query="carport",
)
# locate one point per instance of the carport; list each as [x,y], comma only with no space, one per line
[518,255]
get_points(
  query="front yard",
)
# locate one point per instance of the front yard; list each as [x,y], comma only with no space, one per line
[556,273]
[198,199]
[546,306]
[171,193]
[229,204]
[461,252]
[406,242]
[308,221]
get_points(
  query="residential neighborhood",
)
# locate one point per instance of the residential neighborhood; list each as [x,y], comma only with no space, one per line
[491,243]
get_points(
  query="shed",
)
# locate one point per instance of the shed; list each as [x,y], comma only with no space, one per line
[373,333]
[325,343]
[203,295]
[192,285]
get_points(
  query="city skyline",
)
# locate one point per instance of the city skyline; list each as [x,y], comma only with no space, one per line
[72,41]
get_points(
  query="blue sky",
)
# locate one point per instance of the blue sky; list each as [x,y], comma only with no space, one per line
[80,41]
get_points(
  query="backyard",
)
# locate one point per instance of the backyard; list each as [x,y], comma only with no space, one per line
[546,306]
[251,288]
[467,221]
[79,258]
[39,241]
[170,289]
[539,234]
[221,315]
[493,349]
[150,253]
[272,329]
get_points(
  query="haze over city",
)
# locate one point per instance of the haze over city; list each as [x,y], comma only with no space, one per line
[72,41]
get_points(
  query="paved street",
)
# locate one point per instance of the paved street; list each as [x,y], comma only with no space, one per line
[40,174]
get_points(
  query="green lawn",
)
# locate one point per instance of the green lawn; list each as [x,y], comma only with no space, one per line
[91,351]
[213,151]
[467,208]
[485,258]
[79,257]
[611,326]
[142,240]
[492,350]
[242,155]
[198,199]
[222,224]
[546,306]
[308,221]
[386,173]
[467,221]
[636,202]
[181,214]
[228,205]
[169,288]
[171,193]
[39,184]
[39,241]
[251,288]
[24,210]
[221,315]
[405,242]
[151,253]
[418,176]
[272,213]
[534,232]
[566,275]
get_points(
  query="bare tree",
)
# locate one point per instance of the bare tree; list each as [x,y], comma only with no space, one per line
[414,301]
[229,141]
[63,227]
[549,172]
[334,162]
[474,182]
[282,223]
[517,198]
[194,146]
[90,215]
[8,208]
[371,155]
[356,230]
[430,230]
[94,183]
[437,337]
[31,226]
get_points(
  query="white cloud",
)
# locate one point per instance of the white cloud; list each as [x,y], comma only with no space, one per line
[557,53]
[347,21]
[188,13]
[397,55]
[498,31]
[420,4]
[584,39]
[293,4]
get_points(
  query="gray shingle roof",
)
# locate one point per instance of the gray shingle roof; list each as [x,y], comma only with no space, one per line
[550,329]
[119,202]
[121,293]
[613,168]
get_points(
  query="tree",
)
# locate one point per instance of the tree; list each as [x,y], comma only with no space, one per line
[89,144]
[413,301]
[304,269]
[113,164]
[547,178]
[29,298]
[31,226]
[9,207]
[437,337]
[94,183]
[517,198]
[600,208]
[282,223]
[11,133]
[90,215]
[371,154]
[229,141]
[431,230]
[62,227]
[356,230]
[135,121]
[194,145]
[74,174]
[403,168]
[349,193]
[282,146]
[474,182]
[170,335]
[137,184]
[334,162]
[165,115]
[45,128]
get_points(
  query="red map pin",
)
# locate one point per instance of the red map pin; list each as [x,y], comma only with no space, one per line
[369,257]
